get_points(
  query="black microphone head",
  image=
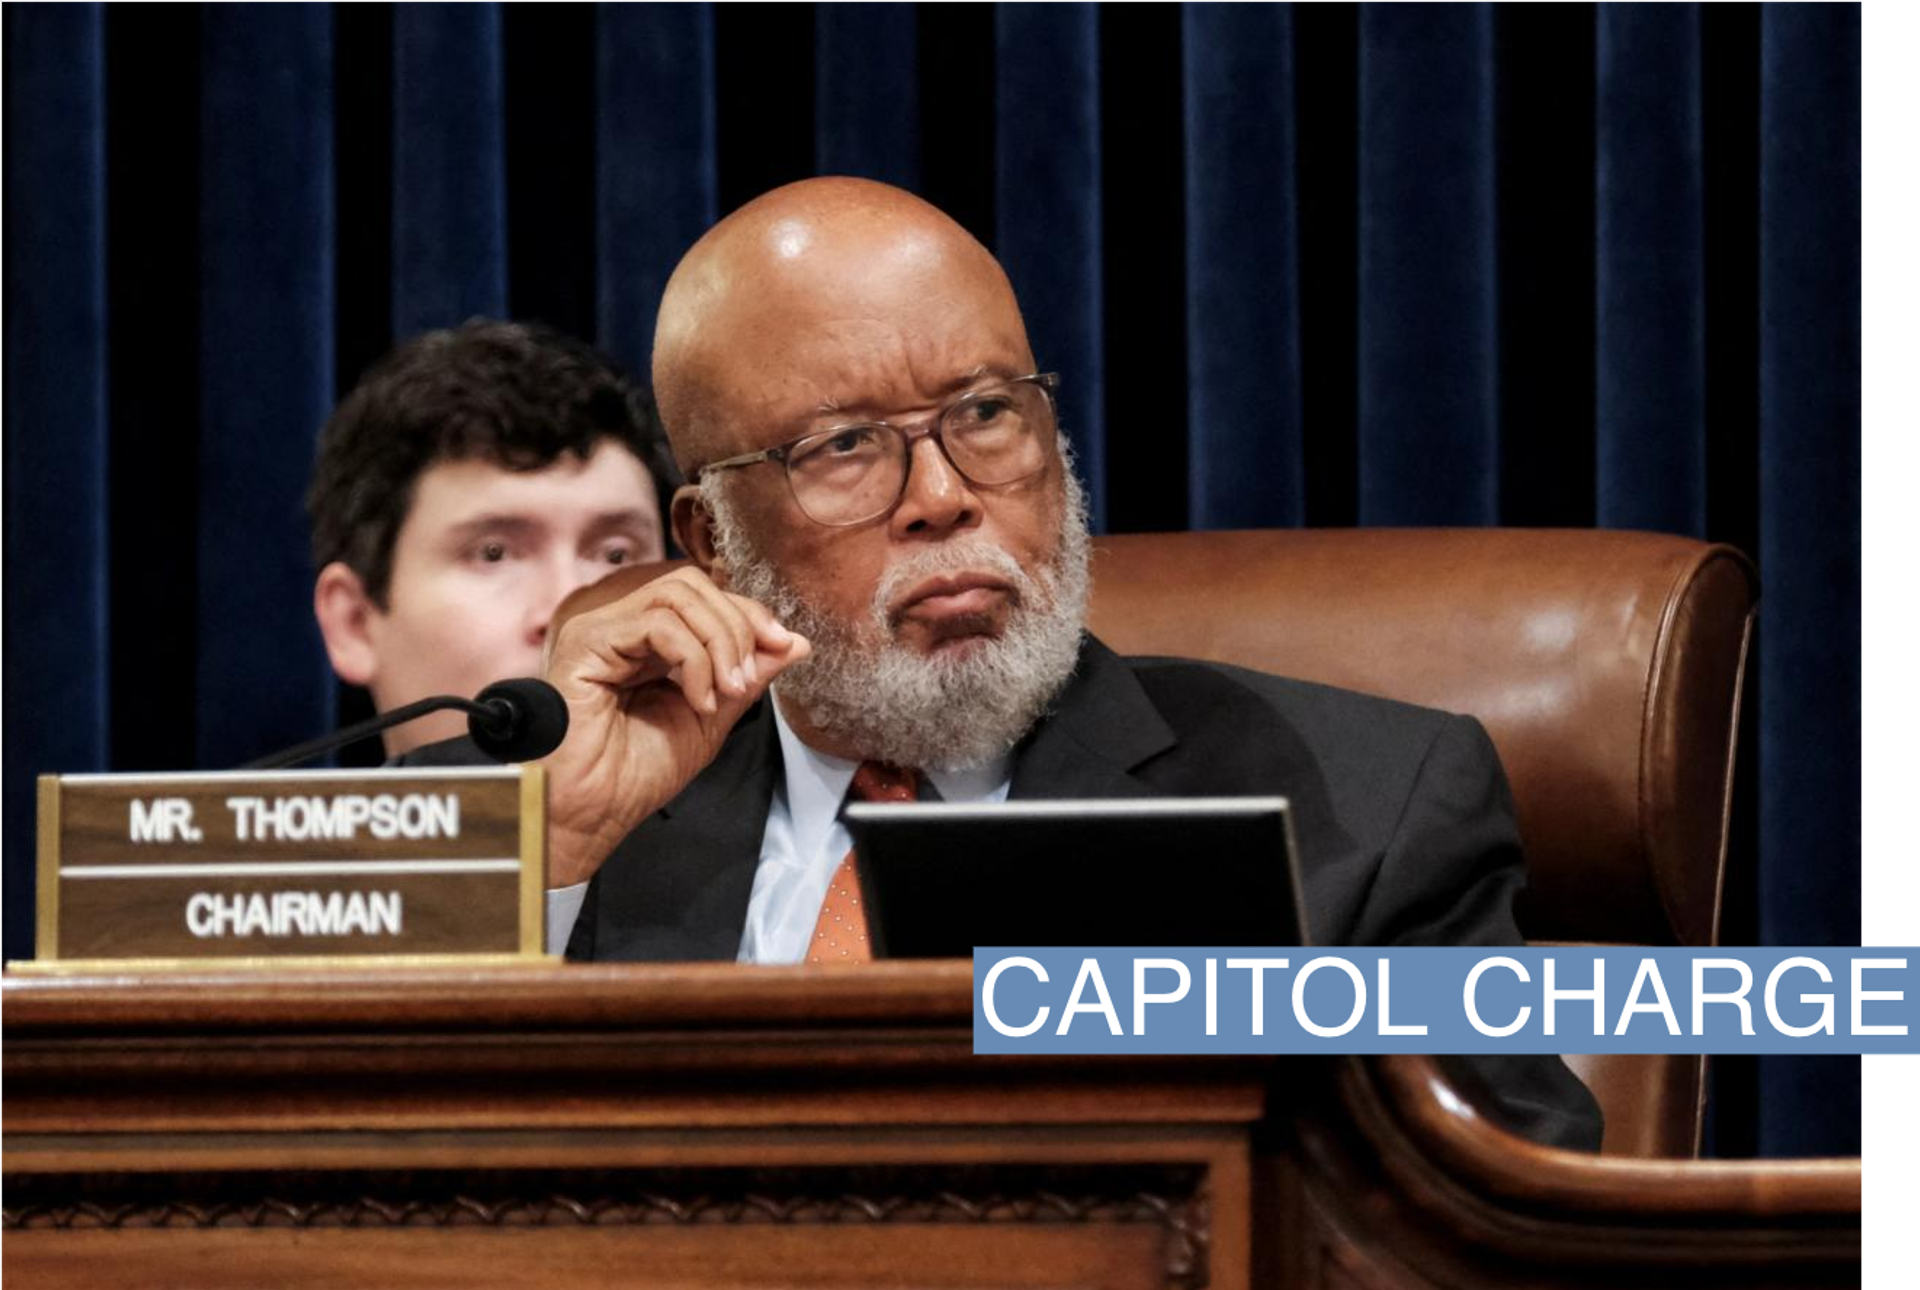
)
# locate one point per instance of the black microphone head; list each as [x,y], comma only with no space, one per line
[525,720]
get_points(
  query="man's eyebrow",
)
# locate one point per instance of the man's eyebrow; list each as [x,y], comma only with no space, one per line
[830,406]
[971,377]
[517,524]
[496,522]
[629,518]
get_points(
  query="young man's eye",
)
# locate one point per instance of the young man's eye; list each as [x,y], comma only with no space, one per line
[489,551]
[619,553]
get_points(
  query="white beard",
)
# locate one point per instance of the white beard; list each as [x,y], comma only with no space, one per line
[892,704]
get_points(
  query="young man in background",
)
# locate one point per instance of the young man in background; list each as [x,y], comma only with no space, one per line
[473,478]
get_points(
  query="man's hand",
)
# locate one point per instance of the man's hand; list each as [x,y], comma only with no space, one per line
[653,683]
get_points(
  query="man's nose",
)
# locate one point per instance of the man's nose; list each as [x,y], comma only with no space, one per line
[938,497]
[559,578]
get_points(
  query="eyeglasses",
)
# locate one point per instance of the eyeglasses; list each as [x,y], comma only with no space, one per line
[854,473]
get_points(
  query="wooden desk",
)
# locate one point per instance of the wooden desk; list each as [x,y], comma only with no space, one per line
[712,1125]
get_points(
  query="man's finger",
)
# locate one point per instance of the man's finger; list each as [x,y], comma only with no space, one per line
[768,630]
[718,626]
[774,662]
[730,614]
[689,585]
[669,640]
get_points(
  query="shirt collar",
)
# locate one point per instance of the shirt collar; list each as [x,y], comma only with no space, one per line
[816,784]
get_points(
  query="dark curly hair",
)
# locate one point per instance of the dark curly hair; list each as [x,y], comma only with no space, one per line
[518,395]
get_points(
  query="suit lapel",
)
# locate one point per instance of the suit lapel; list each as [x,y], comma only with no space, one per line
[746,765]
[1103,727]
[694,860]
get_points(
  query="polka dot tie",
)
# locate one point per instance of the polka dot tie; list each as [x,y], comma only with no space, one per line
[841,934]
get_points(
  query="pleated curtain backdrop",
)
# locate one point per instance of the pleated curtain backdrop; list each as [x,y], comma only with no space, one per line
[1421,264]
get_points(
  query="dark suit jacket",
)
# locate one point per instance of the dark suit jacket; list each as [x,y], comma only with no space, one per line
[1403,817]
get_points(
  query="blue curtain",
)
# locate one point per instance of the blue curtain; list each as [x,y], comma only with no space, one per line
[266,373]
[56,649]
[449,166]
[1650,323]
[1242,353]
[1809,547]
[867,96]
[1428,348]
[654,111]
[1049,203]
[1385,265]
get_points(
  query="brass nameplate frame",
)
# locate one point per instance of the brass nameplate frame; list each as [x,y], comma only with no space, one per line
[284,869]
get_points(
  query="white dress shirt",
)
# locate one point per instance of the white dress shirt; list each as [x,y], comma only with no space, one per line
[804,843]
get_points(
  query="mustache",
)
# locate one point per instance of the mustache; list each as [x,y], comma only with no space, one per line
[976,555]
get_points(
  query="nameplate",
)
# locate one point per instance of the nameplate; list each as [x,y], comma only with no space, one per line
[278,868]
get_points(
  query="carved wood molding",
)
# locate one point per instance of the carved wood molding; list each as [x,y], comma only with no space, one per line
[1171,1197]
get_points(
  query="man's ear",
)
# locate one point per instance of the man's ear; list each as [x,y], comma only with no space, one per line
[693,530]
[344,610]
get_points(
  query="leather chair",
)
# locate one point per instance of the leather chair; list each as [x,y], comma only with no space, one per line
[1606,666]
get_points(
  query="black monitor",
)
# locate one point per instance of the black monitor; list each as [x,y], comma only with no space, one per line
[940,878]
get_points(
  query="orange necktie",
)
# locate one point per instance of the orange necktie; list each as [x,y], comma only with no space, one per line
[840,936]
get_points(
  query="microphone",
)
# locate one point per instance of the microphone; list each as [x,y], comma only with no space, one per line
[524,720]
[518,720]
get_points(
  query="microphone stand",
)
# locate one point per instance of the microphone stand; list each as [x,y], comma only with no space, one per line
[364,729]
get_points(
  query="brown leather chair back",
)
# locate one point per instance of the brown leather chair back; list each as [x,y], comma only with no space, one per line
[1606,666]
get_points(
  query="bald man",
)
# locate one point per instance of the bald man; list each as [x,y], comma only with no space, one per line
[888,537]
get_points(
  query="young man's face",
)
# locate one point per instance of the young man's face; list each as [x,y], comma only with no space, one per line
[479,563]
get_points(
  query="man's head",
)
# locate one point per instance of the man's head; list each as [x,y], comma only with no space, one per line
[944,625]
[472,479]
